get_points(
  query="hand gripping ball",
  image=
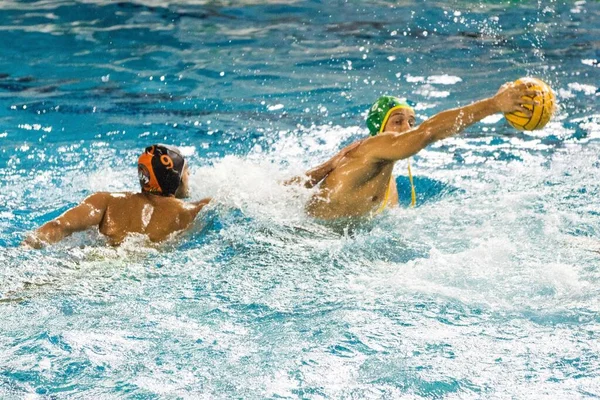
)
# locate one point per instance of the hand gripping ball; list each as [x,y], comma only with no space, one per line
[542,112]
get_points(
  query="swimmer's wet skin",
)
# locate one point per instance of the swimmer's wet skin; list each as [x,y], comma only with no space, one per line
[358,181]
[157,212]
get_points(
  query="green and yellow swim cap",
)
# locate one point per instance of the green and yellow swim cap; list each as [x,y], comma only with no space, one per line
[380,112]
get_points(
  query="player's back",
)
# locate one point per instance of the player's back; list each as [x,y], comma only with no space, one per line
[157,217]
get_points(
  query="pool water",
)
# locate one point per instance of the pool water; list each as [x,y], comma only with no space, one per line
[489,288]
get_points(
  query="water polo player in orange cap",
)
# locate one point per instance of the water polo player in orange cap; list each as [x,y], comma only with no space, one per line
[157,212]
[358,180]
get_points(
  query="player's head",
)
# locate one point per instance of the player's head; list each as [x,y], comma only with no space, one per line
[162,170]
[390,114]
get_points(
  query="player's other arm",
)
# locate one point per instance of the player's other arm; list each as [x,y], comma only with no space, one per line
[312,176]
[315,175]
[87,214]
[199,205]
[448,123]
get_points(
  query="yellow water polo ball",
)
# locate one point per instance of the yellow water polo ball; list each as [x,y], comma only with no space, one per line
[541,113]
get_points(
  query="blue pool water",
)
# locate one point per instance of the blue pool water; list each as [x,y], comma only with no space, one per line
[490,288]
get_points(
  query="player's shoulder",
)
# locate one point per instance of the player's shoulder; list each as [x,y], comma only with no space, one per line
[104,198]
[369,144]
[353,148]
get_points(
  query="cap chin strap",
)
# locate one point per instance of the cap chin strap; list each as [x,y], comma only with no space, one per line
[389,113]
[413,192]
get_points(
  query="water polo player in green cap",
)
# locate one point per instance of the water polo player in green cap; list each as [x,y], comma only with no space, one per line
[156,213]
[358,180]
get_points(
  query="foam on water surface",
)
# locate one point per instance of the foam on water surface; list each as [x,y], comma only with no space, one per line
[488,288]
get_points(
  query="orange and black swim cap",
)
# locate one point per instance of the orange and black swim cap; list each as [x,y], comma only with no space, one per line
[160,169]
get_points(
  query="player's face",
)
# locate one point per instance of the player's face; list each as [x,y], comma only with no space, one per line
[401,120]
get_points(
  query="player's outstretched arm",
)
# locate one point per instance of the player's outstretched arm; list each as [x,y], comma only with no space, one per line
[87,214]
[448,123]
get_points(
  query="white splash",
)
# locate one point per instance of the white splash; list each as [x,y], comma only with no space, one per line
[586,89]
[492,119]
[443,79]
[414,79]
[430,92]
[275,107]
